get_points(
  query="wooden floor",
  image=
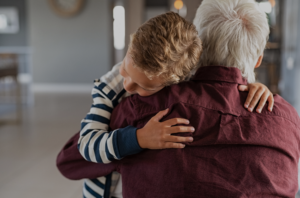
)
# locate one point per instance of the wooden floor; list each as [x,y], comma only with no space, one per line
[28,150]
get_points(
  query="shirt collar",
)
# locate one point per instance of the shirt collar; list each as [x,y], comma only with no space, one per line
[220,73]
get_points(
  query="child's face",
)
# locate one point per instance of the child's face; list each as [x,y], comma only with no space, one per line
[136,82]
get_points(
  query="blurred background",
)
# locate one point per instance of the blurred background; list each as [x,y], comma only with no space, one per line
[52,50]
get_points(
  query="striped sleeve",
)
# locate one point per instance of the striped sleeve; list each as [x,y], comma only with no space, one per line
[96,143]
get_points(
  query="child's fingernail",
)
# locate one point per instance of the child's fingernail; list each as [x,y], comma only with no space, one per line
[246,106]
[193,129]
[188,122]
[191,139]
[250,109]
[258,110]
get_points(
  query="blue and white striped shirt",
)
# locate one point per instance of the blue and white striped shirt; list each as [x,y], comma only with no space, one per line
[96,143]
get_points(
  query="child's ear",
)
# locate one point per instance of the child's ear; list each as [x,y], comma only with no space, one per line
[259,61]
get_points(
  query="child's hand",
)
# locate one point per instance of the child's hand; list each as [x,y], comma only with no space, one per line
[158,135]
[257,91]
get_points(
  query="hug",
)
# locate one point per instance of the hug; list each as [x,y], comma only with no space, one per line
[182,116]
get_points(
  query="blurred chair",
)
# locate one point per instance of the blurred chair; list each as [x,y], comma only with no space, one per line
[9,68]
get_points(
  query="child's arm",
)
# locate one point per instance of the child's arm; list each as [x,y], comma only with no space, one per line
[73,166]
[95,143]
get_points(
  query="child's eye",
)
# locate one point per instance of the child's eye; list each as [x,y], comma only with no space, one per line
[124,71]
[147,90]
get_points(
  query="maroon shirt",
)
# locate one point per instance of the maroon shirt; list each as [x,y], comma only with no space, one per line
[235,153]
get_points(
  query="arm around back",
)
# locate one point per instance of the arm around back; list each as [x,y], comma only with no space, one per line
[96,142]
[73,166]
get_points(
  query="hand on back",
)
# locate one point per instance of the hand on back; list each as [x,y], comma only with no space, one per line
[258,94]
[158,135]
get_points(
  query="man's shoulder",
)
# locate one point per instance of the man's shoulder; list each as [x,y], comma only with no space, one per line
[156,102]
[168,96]
[124,113]
[285,110]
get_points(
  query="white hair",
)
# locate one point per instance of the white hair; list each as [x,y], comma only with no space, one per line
[234,34]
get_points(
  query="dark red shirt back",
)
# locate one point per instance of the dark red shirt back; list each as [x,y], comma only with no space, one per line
[235,153]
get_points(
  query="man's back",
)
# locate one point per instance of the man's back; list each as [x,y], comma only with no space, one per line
[235,153]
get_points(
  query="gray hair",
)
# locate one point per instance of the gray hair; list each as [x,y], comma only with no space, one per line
[234,34]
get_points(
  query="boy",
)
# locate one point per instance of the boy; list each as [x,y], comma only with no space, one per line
[163,51]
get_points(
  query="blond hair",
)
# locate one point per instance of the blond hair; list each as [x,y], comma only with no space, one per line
[234,34]
[167,46]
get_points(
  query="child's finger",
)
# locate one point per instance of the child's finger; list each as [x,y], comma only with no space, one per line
[178,139]
[243,87]
[250,97]
[169,145]
[175,121]
[262,102]
[160,115]
[255,99]
[271,102]
[180,129]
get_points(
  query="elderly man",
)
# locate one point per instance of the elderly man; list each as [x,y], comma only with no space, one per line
[235,153]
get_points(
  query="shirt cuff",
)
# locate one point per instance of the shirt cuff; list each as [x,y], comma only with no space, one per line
[127,141]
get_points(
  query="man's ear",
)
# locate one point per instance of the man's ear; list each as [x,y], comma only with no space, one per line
[259,61]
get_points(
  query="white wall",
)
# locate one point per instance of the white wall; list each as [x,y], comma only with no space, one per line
[134,18]
[70,50]
[18,39]
[192,7]
[290,68]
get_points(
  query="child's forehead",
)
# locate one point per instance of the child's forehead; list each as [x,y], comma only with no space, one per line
[138,76]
